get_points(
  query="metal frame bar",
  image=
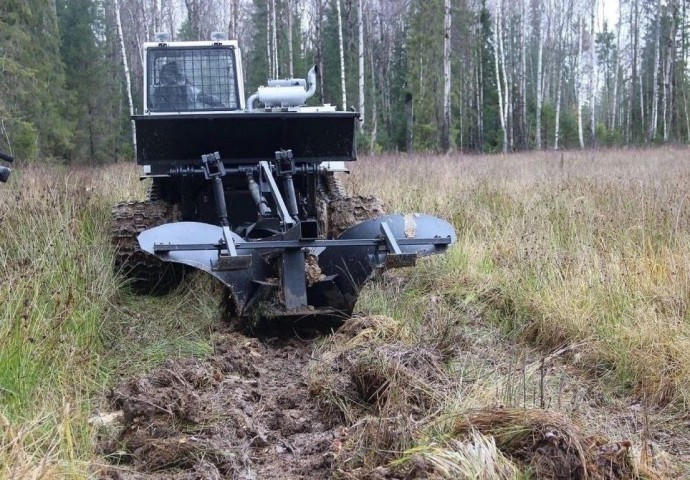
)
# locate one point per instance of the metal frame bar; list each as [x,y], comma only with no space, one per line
[282,209]
[268,244]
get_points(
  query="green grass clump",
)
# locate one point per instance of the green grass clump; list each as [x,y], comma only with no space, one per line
[68,327]
[57,283]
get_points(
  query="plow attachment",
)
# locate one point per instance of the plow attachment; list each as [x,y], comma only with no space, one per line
[293,275]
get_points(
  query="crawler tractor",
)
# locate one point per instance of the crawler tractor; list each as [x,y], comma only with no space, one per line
[246,191]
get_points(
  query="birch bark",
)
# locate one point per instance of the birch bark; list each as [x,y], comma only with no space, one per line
[360,20]
[128,79]
[445,141]
[578,82]
[655,77]
[342,55]
[540,80]
[592,81]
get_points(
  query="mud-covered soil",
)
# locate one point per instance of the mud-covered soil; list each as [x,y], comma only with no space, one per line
[243,413]
[343,213]
[341,406]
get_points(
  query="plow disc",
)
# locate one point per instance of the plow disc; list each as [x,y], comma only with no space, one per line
[288,275]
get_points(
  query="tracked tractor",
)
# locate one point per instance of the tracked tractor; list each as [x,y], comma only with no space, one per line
[247,191]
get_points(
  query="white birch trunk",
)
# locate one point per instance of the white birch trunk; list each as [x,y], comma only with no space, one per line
[232,19]
[642,122]
[523,76]
[557,127]
[360,19]
[269,52]
[446,77]
[504,131]
[614,102]
[128,79]
[655,76]
[137,40]
[592,82]
[342,55]
[291,63]
[578,82]
[274,40]
[374,112]
[507,97]
[668,72]
[145,22]
[540,81]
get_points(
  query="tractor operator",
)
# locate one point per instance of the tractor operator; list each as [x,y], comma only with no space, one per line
[175,93]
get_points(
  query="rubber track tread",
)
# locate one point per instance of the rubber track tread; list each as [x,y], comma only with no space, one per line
[146,273]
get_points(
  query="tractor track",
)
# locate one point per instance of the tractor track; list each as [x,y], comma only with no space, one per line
[146,273]
[243,413]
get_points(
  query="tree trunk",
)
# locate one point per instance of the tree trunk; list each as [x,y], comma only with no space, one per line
[291,63]
[360,20]
[445,141]
[342,55]
[668,72]
[558,105]
[232,21]
[655,76]
[578,82]
[499,88]
[319,46]
[524,142]
[592,81]
[274,41]
[128,80]
[374,113]
[540,81]
[614,102]
[269,52]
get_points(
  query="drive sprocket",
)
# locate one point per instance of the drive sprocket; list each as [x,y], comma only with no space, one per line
[145,273]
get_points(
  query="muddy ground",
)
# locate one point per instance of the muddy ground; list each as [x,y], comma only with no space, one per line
[272,408]
[243,413]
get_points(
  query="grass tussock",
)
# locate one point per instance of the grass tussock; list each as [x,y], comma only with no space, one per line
[412,413]
[375,378]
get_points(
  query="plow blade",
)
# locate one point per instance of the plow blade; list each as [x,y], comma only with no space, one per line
[180,234]
[416,235]
[272,271]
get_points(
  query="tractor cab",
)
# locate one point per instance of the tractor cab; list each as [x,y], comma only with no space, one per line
[191,77]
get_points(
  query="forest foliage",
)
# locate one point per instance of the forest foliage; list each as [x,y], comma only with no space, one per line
[529,74]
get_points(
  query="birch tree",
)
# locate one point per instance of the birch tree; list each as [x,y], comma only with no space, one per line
[342,55]
[540,77]
[655,76]
[128,80]
[578,82]
[360,21]
[592,80]
[445,141]
[291,65]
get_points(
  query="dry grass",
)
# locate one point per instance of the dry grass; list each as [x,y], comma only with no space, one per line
[589,249]
[583,256]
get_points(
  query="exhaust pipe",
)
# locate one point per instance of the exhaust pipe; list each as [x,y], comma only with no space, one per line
[285,93]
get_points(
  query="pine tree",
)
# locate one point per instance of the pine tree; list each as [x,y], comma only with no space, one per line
[34,100]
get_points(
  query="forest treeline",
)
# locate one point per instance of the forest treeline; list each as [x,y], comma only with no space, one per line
[426,75]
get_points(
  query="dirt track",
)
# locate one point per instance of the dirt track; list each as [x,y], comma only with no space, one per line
[256,409]
[244,413]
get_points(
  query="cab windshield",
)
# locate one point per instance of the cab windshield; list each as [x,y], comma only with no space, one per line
[191,79]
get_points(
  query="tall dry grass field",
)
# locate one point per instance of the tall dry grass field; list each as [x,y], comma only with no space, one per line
[585,251]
